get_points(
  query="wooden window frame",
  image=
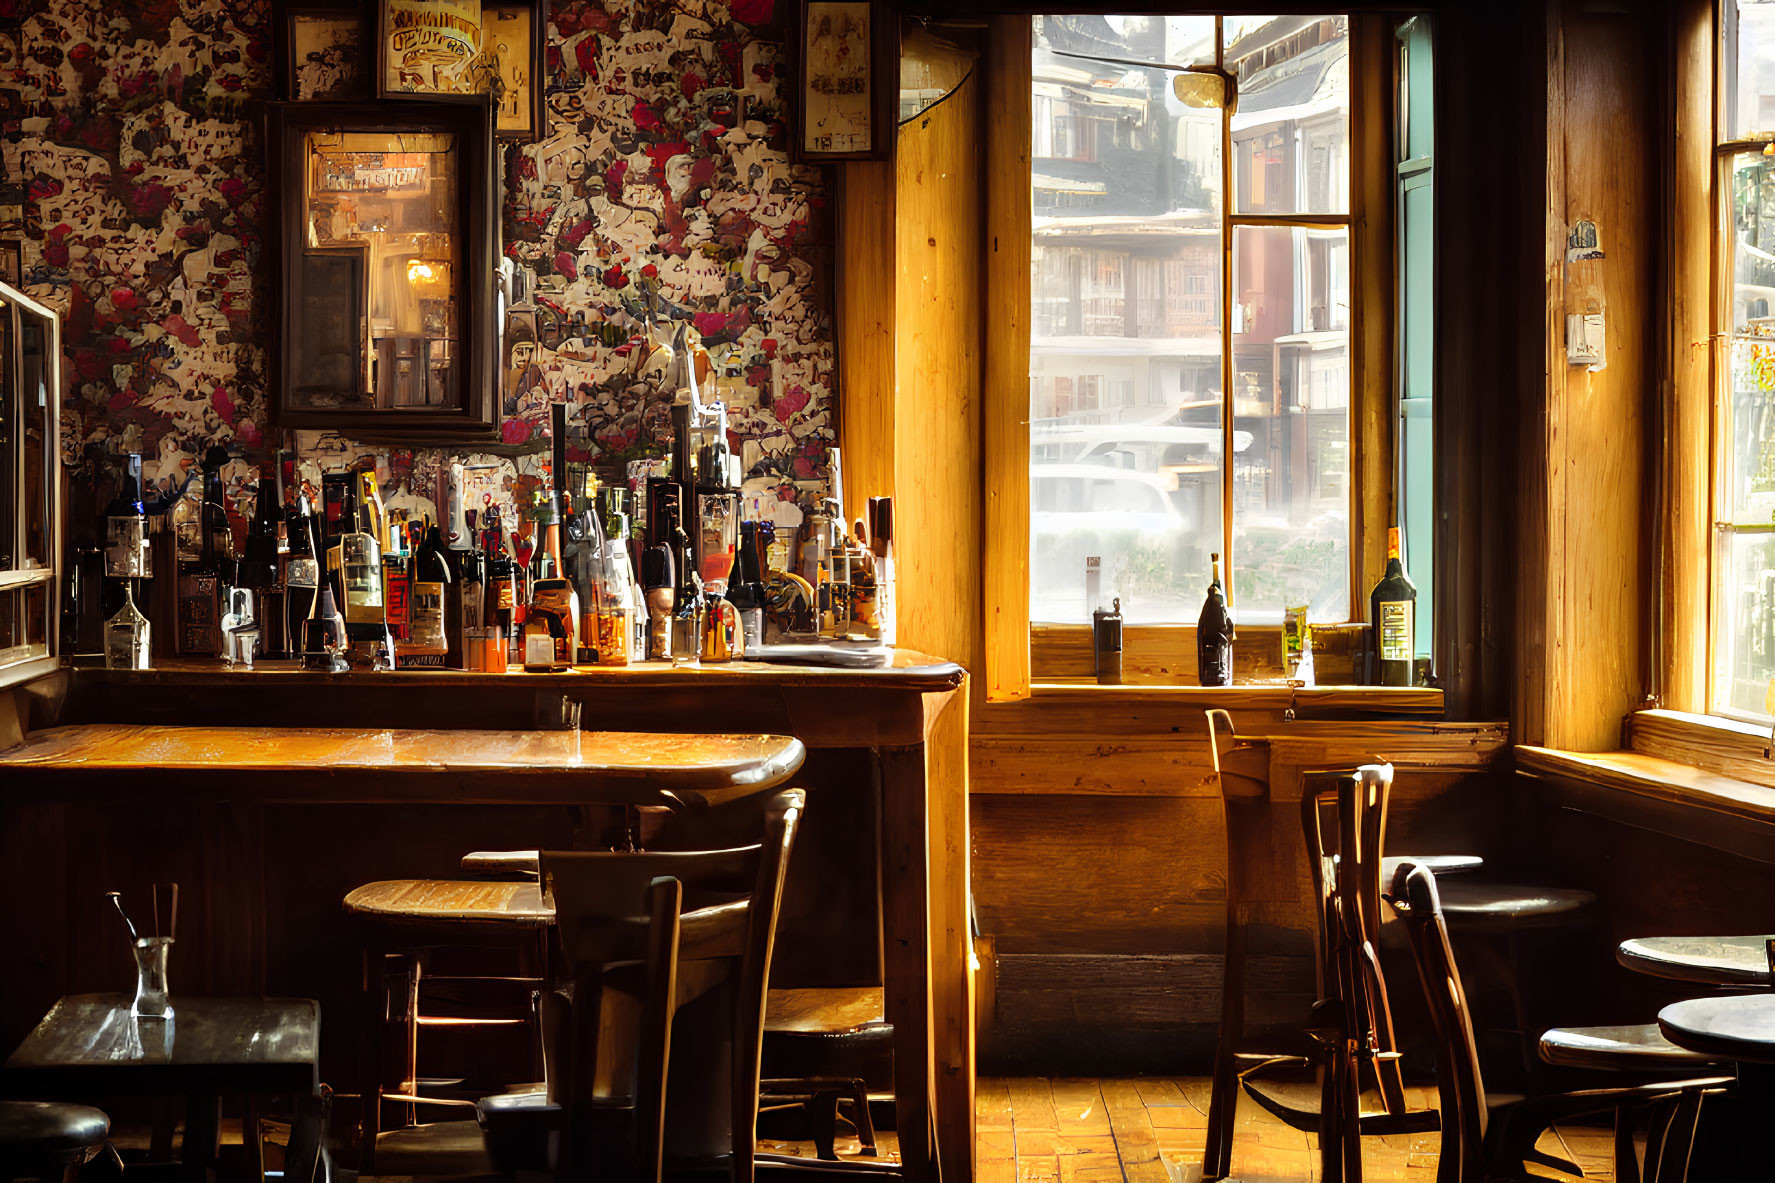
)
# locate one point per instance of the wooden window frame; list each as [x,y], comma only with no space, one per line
[1017,656]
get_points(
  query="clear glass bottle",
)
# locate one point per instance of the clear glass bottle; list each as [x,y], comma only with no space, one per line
[126,634]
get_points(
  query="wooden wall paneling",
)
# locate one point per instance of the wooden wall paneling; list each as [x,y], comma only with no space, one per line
[937,367]
[1374,405]
[1539,668]
[1689,393]
[1006,344]
[1581,672]
[1600,443]
[866,310]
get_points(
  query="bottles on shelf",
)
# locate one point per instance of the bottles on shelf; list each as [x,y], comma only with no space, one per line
[1214,635]
[1392,614]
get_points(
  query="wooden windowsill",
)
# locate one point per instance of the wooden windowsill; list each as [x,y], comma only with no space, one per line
[1655,793]
[1708,742]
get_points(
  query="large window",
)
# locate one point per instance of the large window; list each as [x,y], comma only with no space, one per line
[1190,302]
[1743,611]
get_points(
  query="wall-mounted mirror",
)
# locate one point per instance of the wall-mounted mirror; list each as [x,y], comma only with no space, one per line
[386,278]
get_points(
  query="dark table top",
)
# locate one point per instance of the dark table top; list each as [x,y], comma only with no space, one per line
[89,1045]
[1738,1028]
[1714,961]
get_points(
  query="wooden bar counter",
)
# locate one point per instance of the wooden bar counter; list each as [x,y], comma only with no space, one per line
[269,793]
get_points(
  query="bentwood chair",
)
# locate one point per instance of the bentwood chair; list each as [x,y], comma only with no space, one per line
[1488,1135]
[1242,768]
[597,1055]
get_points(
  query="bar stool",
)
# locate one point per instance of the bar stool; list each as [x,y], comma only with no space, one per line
[648,776]
[409,921]
[48,1140]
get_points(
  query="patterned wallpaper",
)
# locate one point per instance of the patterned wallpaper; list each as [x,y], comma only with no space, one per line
[132,174]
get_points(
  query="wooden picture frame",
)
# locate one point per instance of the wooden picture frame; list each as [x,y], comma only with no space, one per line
[523,118]
[472,276]
[437,61]
[304,36]
[837,48]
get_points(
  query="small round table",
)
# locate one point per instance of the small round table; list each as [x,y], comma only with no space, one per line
[1740,1028]
[1713,961]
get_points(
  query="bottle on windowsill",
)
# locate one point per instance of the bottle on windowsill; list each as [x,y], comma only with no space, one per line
[1214,636]
[1393,617]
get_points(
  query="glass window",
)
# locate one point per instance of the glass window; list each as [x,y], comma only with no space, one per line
[1131,349]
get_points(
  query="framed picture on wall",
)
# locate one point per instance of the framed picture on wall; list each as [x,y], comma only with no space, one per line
[514,40]
[323,54]
[429,49]
[847,80]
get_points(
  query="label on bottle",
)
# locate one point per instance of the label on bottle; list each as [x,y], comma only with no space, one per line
[1396,630]
[302,571]
[126,551]
[199,631]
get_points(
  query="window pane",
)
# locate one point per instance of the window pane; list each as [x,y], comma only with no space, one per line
[1747,438]
[1747,94]
[1291,142]
[1291,422]
[1744,657]
[1125,354]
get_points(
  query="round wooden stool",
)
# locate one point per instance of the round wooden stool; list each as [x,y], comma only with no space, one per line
[48,1140]
[407,921]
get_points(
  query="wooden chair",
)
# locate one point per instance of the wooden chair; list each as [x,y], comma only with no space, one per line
[405,923]
[1242,768]
[1484,1135]
[710,1031]
[48,1140]
[1352,1023]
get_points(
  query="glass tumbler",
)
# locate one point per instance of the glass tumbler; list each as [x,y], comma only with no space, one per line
[151,1001]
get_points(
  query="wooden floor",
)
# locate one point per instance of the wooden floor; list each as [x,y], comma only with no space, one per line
[1151,1130]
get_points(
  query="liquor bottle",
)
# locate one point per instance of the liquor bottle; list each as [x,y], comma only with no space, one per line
[881,542]
[301,574]
[747,591]
[501,590]
[360,567]
[553,612]
[126,524]
[127,635]
[258,562]
[1393,616]
[427,642]
[199,629]
[616,617]
[1214,636]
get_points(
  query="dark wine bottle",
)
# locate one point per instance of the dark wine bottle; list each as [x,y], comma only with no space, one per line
[198,631]
[1393,616]
[258,562]
[1214,636]
[302,574]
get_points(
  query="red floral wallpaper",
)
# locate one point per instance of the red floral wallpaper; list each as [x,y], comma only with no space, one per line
[131,175]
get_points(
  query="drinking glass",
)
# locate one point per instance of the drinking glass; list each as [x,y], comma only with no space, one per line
[151,1001]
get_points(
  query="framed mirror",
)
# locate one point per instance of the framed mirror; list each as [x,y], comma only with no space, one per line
[385,268]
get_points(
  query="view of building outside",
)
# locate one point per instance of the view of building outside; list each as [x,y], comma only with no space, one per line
[1127,337]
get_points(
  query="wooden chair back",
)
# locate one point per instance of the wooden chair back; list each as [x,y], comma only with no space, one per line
[1459,1080]
[726,908]
[1347,893]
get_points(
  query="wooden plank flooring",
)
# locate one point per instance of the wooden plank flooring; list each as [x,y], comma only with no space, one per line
[1152,1130]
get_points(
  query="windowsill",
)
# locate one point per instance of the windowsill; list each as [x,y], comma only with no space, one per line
[1684,798]
[1308,700]
[1725,747]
